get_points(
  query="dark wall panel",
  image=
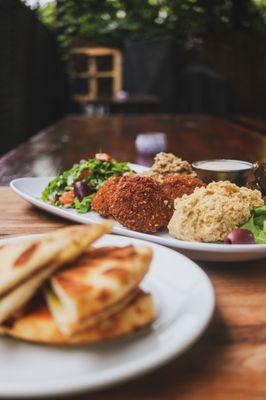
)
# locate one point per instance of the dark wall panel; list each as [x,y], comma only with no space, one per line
[33,90]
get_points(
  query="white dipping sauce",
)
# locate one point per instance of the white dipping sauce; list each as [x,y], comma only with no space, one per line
[223,165]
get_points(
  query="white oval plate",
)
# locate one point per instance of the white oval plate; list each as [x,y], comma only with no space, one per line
[184,300]
[31,188]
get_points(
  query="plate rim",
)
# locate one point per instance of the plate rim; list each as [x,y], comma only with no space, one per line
[170,242]
[119,374]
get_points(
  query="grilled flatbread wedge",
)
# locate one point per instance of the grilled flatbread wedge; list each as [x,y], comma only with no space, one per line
[69,243]
[96,286]
[38,325]
[19,260]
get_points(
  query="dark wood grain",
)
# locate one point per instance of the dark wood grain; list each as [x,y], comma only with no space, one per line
[229,361]
[76,137]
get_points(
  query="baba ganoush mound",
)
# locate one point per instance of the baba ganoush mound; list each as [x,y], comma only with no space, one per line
[167,164]
[209,213]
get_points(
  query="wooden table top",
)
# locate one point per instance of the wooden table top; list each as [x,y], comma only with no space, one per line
[76,137]
[229,361]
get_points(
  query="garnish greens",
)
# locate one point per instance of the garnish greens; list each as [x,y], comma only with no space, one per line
[257,224]
[92,172]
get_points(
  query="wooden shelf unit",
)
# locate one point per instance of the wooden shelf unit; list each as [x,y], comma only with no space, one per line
[93,75]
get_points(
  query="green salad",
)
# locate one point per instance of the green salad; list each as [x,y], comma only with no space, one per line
[257,224]
[76,187]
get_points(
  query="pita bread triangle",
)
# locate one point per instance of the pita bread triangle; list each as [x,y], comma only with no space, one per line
[69,243]
[96,285]
[38,325]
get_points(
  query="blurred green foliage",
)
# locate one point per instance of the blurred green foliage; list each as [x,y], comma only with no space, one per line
[47,14]
[110,22]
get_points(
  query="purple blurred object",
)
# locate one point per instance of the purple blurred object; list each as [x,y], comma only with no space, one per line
[151,143]
[145,160]
[122,95]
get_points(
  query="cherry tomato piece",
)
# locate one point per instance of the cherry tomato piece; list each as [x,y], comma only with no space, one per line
[103,157]
[67,198]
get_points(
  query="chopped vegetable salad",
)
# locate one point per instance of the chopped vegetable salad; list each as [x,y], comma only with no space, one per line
[76,187]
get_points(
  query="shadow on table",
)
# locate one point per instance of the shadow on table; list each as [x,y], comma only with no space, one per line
[243,267]
[240,274]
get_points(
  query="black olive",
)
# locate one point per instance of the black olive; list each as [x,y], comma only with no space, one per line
[239,236]
[82,189]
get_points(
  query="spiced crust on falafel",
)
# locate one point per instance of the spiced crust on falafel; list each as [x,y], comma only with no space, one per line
[103,198]
[140,204]
[177,185]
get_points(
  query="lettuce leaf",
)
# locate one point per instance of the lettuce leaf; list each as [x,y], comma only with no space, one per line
[84,205]
[257,224]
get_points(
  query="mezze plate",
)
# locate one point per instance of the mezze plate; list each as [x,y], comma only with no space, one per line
[184,300]
[31,189]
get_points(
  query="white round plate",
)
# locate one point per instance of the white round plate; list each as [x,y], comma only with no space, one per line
[184,299]
[31,189]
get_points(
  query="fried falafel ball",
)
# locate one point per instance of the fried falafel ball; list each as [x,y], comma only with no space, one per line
[140,204]
[103,197]
[177,185]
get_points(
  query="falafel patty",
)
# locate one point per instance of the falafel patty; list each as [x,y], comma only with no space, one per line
[176,186]
[103,198]
[140,204]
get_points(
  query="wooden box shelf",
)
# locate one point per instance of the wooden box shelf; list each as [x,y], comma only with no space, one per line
[93,74]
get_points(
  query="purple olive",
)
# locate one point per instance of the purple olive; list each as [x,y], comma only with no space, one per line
[82,189]
[239,236]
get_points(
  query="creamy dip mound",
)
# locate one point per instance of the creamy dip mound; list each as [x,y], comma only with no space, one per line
[167,164]
[210,212]
[223,165]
